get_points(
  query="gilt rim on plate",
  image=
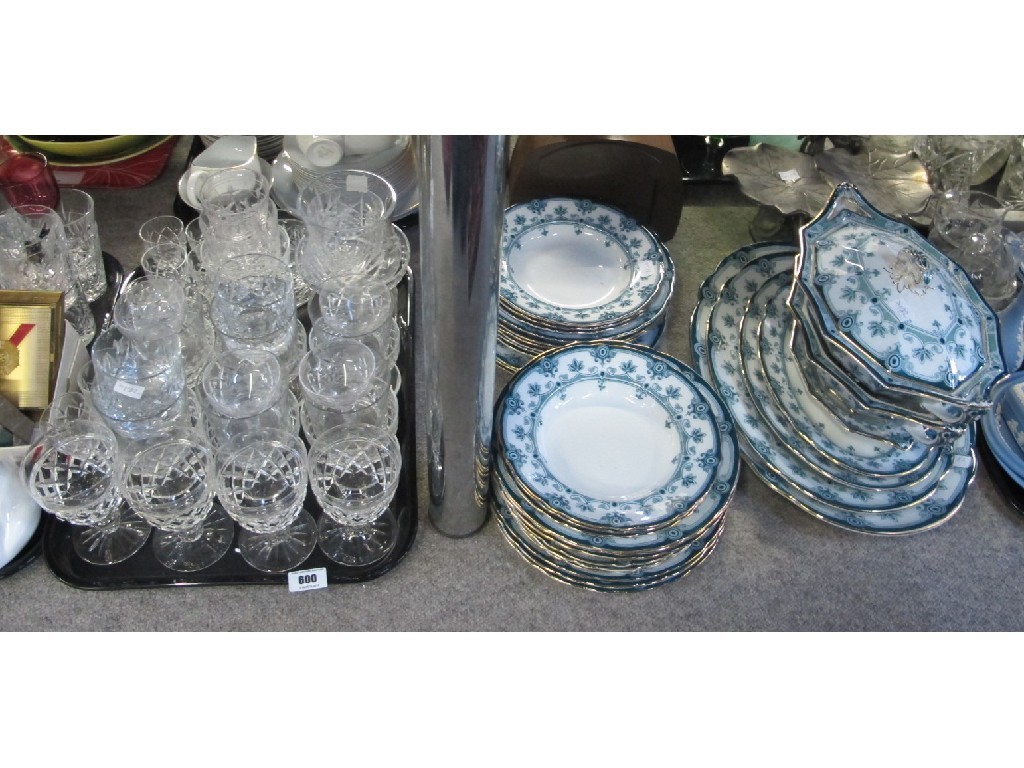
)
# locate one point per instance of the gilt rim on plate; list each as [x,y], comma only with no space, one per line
[665,382]
[645,257]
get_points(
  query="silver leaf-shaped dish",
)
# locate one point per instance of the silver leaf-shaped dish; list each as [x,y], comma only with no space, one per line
[781,178]
[896,184]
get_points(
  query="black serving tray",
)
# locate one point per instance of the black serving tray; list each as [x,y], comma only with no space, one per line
[142,570]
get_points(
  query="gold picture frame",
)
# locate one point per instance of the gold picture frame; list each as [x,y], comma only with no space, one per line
[31,339]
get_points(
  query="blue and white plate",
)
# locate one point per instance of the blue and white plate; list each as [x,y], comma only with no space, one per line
[569,263]
[627,579]
[513,352]
[614,547]
[1003,425]
[789,404]
[896,303]
[619,542]
[715,341]
[610,435]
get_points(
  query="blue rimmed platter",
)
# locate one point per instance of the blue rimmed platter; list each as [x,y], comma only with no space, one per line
[790,404]
[767,434]
[742,273]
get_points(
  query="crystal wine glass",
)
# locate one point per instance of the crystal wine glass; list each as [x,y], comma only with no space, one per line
[354,473]
[262,481]
[72,471]
[169,482]
[35,255]
[138,365]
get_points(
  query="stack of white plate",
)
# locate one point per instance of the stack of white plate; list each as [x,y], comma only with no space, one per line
[267,147]
[292,172]
[613,466]
[574,270]
[855,368]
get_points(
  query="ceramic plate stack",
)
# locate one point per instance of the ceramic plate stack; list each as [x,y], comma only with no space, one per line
[573,270]
[68,152]
[292,172]
[613,466]
[856,368]
[267,147]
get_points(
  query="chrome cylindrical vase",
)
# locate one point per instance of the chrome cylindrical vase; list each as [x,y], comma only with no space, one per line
[463,188]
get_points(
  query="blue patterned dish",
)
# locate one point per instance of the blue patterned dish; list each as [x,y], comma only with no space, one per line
[616,558]
[710,506]
[768,436]
[615,547]
[512,356]
[577,264]
[844,399]
[791,406]
[610,435]
[924,420]
[626,580]
[557,335]
[1003,425]
[839,396]
[896,304]
[771,457]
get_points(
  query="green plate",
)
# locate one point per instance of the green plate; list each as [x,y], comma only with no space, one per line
[137,146]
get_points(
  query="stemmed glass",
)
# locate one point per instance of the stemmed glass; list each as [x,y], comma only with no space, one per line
[261,482]
[72,471]
[138,366]
[362,308]
[354,473]
[169,482]
[35,255]
[243,391]
[162,229]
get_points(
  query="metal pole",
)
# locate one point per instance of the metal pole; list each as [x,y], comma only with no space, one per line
[462,200]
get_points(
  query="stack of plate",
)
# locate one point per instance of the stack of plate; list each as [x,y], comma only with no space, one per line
[292,172]
[855,367]
[574,270]
[82,151]
[267,147]
[613,465]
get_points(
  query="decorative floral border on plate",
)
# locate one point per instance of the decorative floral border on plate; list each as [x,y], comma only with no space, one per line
[646,255]
[652,376]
